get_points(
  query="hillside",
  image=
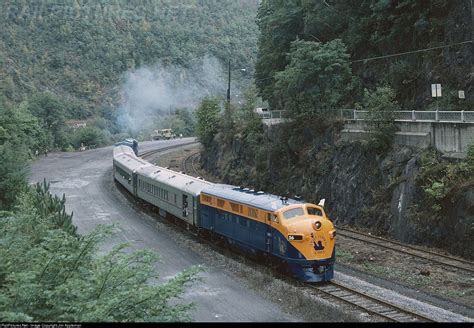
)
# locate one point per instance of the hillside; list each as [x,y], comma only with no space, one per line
[377,55]
[79,49]
[407,45]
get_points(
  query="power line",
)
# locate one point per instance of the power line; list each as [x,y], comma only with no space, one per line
[411,52]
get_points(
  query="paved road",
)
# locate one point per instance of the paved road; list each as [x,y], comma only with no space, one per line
[86,179]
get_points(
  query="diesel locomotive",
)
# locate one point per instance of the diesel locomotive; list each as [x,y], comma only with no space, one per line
[292,232]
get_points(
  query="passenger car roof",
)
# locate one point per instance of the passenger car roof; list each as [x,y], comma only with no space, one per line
[174,179]
[126,156]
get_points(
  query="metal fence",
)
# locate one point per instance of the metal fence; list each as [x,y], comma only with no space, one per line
[413,115]
[407,115]
[273,114]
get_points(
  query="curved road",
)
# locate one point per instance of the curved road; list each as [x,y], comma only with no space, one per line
[86,179]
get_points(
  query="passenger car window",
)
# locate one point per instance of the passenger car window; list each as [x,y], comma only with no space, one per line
[293,212]
[314,211]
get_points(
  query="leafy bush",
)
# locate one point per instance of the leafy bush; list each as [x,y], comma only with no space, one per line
[88,136]
[13,174]
[441,180]
[380,124]
[49,272]
[207,120]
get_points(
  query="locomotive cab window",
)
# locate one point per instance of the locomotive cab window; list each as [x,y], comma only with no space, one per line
[314,211]
[294,212]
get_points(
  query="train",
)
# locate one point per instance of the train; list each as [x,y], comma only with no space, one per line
[132,143]
[286,231]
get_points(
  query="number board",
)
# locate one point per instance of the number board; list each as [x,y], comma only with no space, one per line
[295,237]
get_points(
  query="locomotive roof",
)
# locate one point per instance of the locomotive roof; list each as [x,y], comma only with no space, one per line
[258,199]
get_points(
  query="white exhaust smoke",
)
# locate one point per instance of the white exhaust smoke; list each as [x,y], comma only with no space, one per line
[151,93]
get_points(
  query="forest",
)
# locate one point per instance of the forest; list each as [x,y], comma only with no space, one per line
[73,60]
[62,61]
[75,53]
[323,54]
[315,57]
[68,60]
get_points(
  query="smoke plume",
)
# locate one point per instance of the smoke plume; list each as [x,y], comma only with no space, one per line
[149,93]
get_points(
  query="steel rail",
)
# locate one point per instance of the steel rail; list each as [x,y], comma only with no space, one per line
[148,153]
[189,162]
[427,255]
[370,304]
[364,302]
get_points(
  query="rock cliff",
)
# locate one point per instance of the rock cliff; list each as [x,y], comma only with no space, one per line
[379,191]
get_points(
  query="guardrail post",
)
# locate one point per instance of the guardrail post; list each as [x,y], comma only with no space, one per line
[462,116]
[413,118]
[355,115]
[436,116]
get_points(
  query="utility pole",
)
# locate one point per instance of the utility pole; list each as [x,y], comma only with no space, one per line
[472,22]
[228,87]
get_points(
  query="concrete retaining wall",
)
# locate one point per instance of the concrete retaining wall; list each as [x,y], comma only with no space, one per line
[450,138]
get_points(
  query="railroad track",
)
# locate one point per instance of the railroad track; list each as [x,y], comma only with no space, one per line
[149,153]
[369,304]
[438,258]
[188,165]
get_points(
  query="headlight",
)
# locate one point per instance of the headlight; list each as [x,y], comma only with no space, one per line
[317,225]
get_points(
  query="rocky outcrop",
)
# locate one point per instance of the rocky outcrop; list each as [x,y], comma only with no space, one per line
[361,186]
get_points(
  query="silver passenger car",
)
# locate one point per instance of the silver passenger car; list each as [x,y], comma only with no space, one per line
[125,164]
[170,191]
[173,192]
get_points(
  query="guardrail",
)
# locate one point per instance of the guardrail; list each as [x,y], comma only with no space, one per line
[414,115]
[407,115]
[273,114]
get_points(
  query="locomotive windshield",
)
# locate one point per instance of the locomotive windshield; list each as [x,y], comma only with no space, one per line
[293,213]
[314,211]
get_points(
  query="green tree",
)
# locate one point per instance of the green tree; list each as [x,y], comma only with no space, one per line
[280,22]
[88,136]
[372,28]
[188,120]
[182,122]
[207,120]
[13,174]
[20,137]
[315,80]
[49,272]
[380,120]
[82,60]
[249,122]
[50,112]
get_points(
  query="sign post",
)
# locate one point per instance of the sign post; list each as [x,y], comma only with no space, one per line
[436,93]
